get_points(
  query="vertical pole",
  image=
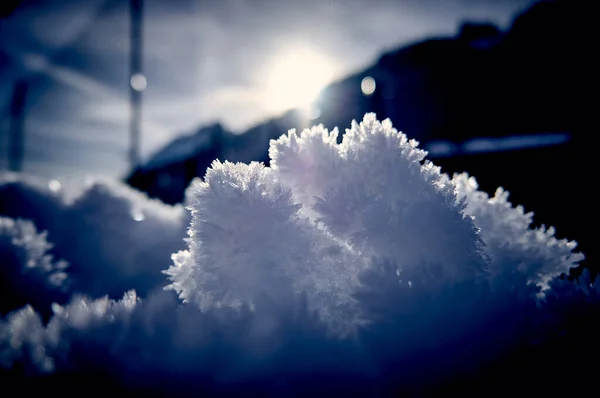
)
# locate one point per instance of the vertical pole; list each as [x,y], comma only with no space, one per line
[16,137]
[134,86]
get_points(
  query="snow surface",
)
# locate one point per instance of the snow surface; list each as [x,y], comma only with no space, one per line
[114,238]
[354,268]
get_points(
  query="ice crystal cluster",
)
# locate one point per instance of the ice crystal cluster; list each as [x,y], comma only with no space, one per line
[324,213]
[351,259]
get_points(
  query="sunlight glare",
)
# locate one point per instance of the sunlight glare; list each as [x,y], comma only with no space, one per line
[295,79]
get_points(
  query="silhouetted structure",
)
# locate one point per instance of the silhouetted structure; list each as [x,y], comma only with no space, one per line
[162,177]
[16,134]
[136,8]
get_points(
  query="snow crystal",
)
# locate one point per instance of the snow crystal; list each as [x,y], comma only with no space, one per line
[354,266]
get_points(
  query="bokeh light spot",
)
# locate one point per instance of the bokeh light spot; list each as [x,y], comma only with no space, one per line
[138,82]
[54,185]
[367,85]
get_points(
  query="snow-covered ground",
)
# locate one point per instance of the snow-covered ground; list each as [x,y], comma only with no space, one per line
[343,267]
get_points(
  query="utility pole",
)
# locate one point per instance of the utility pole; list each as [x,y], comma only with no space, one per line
[16,138]
[137,82]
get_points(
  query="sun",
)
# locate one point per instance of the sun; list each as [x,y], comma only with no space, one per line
[295,78]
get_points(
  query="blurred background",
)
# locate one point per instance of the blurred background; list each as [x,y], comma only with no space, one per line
[151,91]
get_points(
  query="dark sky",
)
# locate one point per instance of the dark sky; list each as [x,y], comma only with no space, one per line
[227,60]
